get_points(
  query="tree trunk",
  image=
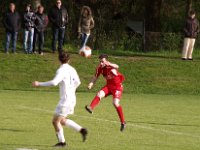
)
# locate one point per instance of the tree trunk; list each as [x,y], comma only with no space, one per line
[152,15]
[35,4]
[188,7]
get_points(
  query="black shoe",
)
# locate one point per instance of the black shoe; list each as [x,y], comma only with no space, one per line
[89,109]
[184,58]
[123,126]
[61,144]
[84,133]
[190,59]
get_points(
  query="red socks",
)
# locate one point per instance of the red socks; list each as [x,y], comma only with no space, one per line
[95,102]
[120,113]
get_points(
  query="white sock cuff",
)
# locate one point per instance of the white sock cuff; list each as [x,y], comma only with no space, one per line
[60,135]
[71,124]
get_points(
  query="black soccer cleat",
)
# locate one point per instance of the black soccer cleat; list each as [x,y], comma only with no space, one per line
[184,58]
[61,144]
[84,133]
[123,126]
[89,109]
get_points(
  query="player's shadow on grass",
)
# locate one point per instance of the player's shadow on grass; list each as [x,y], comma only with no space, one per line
[13,130]
[165,124]
[27,146]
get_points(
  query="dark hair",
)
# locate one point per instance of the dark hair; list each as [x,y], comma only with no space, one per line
[40,6]
[103,56]
[28,5]
[63,57]
[192,12]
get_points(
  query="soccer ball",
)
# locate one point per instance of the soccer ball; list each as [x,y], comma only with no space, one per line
[86,52]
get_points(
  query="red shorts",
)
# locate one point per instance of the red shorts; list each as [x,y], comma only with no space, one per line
[116,93]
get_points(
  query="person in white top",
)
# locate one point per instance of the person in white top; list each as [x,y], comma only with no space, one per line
[68,80]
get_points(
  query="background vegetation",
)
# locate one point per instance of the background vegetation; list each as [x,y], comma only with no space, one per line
[164,20]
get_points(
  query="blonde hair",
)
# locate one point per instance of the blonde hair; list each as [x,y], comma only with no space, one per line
[88,9]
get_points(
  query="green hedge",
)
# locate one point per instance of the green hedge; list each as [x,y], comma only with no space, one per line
[115,40]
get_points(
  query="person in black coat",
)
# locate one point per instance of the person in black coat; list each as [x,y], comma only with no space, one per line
[58,16]
[41,23]
[191,29]
[12,24]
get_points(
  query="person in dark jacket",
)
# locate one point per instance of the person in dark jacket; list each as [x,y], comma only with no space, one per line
[58,16]
[86,23]
[28,24]
[12,23]
[191,30]
[41,23]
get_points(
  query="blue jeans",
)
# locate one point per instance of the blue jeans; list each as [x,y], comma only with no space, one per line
[11,36]
[58,35]
[28,45]
[38,40]
[84,39]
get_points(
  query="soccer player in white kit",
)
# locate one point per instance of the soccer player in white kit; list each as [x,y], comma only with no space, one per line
[68,80]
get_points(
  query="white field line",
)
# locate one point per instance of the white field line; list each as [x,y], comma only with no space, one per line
[116,122]
[25,149]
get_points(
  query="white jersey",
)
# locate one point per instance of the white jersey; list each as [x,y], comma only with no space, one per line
[68,80]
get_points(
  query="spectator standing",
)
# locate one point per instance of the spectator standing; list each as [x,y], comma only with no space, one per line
[191,30]
[12,23]
[58,16]
[41,23]
[86,23]
[29,19]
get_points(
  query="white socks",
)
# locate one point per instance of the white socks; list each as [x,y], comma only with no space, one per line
[60,135]
[71,124]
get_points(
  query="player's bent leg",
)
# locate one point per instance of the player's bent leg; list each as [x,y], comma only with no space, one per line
[101,94]
[95,101]
[56,122]
[71,124]
[120,113]
[59,131]
[116,102]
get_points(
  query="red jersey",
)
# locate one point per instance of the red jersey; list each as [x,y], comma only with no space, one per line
[113,78]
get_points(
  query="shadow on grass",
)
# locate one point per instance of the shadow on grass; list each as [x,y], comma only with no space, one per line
[165,124]
[13,130]
[26,146]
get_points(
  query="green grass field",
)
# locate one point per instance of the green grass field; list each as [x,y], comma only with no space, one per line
[160,101]
[144,74]
[154,122]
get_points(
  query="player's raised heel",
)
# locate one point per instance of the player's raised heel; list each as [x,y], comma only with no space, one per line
[61,144]
[84,133]
[123,126]
[89,109]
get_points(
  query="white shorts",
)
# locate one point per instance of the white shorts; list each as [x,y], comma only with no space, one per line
[64,110]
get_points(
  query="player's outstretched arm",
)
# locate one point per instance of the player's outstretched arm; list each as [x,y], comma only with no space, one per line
[90,85]
[107,63]
[48,83]
[54,82]
[35,83]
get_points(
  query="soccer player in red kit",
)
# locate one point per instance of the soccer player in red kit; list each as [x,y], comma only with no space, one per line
[113,86]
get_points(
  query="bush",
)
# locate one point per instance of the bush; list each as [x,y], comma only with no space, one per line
[163,41]
[171,41]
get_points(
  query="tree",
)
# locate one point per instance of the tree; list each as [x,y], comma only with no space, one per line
[152,15]
[188,6]
[35,4]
